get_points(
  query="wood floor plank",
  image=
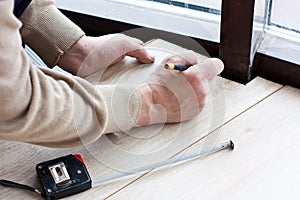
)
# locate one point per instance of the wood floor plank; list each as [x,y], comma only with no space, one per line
[121,151]
[19,160]
[264,164]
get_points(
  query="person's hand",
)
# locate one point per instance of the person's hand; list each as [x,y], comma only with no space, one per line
[170,96]
[91,54]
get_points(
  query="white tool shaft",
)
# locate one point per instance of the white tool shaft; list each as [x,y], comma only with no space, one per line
[176,159]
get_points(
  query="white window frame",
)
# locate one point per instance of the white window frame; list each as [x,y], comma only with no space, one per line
[152,15]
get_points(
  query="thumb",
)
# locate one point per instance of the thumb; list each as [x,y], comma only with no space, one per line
[208,69]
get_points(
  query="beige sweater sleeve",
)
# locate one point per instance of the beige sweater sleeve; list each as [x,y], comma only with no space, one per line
[44,107]
[47,31]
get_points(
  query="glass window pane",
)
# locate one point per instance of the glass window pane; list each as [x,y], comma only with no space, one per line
[285,14]
[194,18]
[212,6]
[215,4]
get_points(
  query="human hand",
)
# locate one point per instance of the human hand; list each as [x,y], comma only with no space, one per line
[91,54]
[172,96]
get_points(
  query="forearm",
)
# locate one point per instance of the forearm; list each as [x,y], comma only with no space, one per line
[44,107]
[47,31]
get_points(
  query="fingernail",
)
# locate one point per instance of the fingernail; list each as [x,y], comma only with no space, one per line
[152,58]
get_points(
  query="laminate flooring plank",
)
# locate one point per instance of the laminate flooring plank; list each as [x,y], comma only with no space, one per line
[264,164]
[18,160]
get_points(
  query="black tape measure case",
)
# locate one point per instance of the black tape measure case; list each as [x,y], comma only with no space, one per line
[63,176]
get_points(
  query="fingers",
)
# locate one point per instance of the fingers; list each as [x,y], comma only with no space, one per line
[138,41]
[208,69]
[184,58]
[138,51]
[141,55]
[133,48]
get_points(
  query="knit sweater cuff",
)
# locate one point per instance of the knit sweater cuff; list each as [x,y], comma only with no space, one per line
[48,32]
[123,107]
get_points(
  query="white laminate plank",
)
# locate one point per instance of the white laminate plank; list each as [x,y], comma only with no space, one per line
[264,165]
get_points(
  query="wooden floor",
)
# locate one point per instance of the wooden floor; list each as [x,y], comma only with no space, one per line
[262,118]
